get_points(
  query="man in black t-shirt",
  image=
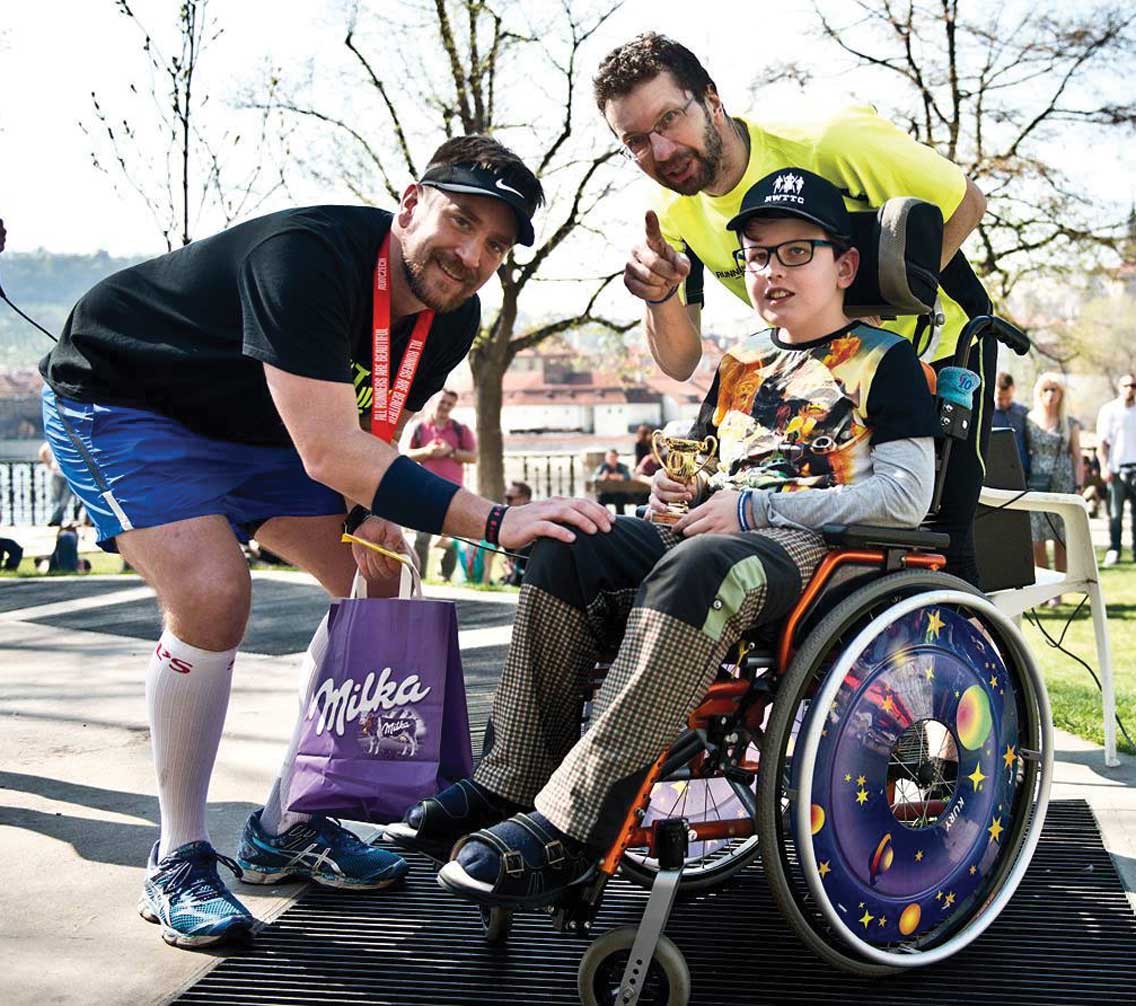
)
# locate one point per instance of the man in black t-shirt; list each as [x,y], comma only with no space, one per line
[216,392]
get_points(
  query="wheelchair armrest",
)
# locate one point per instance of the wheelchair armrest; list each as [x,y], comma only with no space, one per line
[867,536]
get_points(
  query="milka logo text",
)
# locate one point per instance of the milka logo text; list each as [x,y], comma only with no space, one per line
[339,706]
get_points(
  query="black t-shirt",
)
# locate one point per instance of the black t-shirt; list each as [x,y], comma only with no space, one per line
[185,335]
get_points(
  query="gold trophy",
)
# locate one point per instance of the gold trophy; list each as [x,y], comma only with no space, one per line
[682,462]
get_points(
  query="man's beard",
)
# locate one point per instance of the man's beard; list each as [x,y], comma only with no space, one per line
[709,164]
[414,270]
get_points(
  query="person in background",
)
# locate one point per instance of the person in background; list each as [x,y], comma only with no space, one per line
[518,494]
[1011,415]
[443,446]
[611,469]
[61,493]
[1055,465]
[642,444]
[65,557]
[1116,434]
[11,552]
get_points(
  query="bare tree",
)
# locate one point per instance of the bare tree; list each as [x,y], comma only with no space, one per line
[999,89]
[168,154]
[490,55]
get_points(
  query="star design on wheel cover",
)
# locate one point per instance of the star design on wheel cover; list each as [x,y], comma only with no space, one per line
[996,829]
[976,777]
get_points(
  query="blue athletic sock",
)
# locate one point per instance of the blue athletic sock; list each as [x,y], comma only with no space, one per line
[482,862]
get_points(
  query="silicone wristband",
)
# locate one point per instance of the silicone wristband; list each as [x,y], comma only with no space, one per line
[493,524]
[743,523]
[413,497]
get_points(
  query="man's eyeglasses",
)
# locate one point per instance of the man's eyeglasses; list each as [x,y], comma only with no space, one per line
[637,146]
[789,253]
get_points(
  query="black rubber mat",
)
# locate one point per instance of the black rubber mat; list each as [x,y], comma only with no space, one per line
[1068,937]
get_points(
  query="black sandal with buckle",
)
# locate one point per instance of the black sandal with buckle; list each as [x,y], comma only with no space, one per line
[433,825]
[533,861]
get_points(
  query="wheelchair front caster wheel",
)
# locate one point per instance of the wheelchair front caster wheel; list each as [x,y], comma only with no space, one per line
[496,924]
[664,980]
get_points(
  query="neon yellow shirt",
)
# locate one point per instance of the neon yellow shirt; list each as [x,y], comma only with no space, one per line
[867,157]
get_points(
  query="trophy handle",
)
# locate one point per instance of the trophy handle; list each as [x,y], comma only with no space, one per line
[656,449]
[709,447]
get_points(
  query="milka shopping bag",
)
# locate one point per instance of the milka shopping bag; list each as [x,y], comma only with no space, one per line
[386,722]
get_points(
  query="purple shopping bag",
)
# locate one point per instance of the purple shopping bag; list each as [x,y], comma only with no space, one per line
[386,723]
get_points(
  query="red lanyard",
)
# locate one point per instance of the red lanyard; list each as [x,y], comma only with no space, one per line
[387,402]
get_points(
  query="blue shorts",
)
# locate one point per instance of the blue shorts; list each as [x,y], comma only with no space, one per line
[134,469]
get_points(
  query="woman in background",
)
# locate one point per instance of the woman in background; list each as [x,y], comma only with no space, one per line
[1055,456]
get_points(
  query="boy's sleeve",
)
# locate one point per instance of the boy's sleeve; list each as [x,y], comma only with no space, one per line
[900,405]
[875,160]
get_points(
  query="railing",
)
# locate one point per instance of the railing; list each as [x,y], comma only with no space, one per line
[546,474]
[25,493]
[25,486]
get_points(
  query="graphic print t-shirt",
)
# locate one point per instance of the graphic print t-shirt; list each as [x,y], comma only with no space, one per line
[186,334]
[805,416]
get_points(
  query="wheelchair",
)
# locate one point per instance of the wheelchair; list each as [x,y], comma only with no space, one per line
[887,754]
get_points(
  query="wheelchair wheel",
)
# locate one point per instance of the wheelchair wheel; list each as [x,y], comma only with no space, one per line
[906,776]
[666,978]
[708,863]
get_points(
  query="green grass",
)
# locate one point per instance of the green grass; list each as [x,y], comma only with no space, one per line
[1073,694]
[101,562]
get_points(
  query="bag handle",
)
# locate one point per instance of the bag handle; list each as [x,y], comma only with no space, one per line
[409,580]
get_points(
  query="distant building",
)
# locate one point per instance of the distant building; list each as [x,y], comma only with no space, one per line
[552,392]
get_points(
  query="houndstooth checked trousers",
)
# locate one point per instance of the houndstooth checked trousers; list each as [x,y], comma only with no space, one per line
[673,608]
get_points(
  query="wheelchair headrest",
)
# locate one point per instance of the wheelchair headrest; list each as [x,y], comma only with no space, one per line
[900,248]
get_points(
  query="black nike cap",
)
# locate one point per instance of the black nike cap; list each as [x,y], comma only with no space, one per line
[479,181]
[799,193]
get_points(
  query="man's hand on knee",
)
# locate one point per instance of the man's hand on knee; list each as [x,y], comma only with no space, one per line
[547,519]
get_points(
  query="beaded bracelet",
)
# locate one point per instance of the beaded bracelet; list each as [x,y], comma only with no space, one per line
[663,300]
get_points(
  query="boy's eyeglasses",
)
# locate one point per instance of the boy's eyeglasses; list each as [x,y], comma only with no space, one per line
[638,145]
[789,253]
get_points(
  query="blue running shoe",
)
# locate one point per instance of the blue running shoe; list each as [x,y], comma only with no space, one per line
[321,850]
[184,894]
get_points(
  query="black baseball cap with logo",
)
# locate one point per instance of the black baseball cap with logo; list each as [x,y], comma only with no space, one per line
[479,181]
[798,193]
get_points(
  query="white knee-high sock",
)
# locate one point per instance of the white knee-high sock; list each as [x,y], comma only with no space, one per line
[187,695]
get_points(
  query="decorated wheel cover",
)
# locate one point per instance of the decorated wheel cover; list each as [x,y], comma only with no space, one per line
[915,778]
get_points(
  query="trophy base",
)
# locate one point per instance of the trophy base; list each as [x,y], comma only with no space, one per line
[672,515]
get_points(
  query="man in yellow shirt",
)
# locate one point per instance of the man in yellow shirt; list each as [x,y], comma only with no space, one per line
[666,112]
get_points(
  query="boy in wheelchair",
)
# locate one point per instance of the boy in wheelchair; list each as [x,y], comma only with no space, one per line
[819,420]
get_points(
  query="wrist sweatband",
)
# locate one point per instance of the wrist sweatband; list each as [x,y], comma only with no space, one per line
[356,517]
[493,524]
[663,300]
[413,497]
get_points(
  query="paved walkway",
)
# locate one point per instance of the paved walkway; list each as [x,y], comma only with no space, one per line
[78,809]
